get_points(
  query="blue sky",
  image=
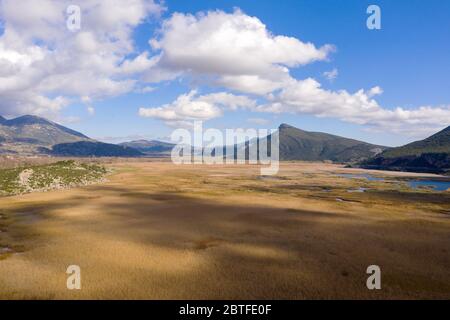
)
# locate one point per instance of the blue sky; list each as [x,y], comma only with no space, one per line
[408,58]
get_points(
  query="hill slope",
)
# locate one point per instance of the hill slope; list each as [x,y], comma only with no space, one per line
[437,143]
[296,144]
[31,135]
[429,155]
[153,147]
[92,149]
[26,134]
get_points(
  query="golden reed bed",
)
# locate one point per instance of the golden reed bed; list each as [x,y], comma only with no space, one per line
[159,231]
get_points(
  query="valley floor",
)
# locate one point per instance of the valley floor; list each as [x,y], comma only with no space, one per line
[159,231]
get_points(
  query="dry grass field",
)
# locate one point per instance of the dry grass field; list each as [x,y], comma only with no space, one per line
[159,231]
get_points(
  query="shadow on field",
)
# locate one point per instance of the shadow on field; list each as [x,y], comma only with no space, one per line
[172,245]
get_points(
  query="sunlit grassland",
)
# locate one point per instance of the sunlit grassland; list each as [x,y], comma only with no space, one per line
[159,231]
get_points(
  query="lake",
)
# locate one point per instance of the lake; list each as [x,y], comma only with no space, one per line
[413,183]
[435,185]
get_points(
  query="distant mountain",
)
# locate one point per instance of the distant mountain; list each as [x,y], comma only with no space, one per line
[299,145]
[91,149]
[437,143]
[152,147]
[26,134]
[429,155]
[296,144]
[31,135]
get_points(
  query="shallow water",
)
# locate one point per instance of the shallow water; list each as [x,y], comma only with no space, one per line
[359,190]
[413,183]
[435,185]
[360,176]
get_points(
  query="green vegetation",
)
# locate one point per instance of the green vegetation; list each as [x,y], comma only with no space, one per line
[58,175]
[9,181]
[428,155]
[95,149]
[438,143]
[296,144]
[154,148]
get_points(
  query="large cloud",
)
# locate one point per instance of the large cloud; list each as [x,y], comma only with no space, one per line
[191,107]
[234,49]
[308,97]
[43,65]
[237,52]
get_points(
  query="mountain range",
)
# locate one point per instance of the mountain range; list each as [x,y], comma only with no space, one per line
[150,148]
[299,145]
[26,134]
[429,155]
[296,144]
[31,135]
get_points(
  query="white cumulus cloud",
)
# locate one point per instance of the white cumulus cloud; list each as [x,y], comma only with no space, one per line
[234,49]
[44,66]
[237,52]
[308,97]
[331,75]
[192,106]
